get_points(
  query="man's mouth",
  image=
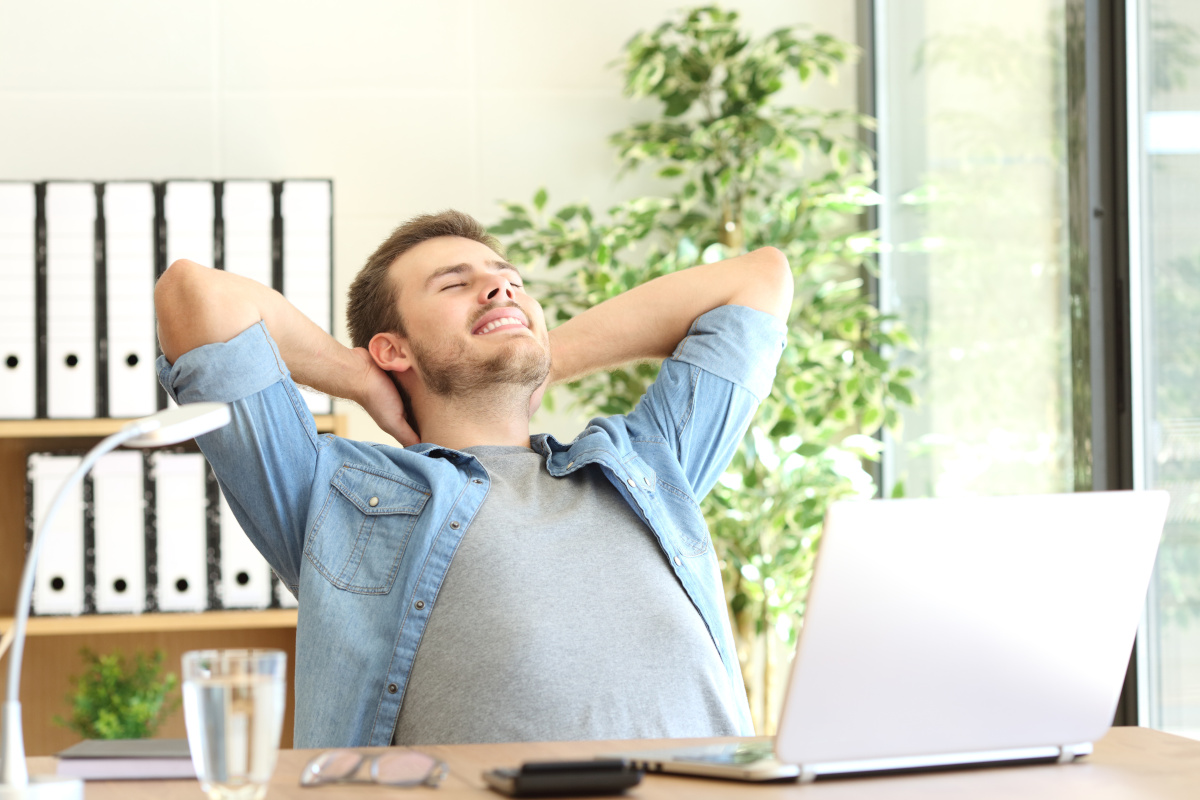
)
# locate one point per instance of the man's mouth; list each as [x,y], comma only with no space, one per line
[495,325]
[499,319]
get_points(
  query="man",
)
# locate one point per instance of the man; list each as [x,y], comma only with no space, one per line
[480,584]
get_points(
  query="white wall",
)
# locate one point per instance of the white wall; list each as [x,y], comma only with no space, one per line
[408,105]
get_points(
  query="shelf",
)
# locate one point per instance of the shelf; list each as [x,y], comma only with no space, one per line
[53,428]
[157,623]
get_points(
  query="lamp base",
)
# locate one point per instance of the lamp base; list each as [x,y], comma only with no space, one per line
[45,787]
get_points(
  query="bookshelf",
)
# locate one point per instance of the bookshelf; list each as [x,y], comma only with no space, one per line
[53,643]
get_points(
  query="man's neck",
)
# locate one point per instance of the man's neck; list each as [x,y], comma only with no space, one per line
[497,416]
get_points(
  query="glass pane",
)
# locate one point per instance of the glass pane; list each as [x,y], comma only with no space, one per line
[1165,283]
[973,173]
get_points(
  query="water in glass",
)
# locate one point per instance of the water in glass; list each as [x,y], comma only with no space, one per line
[234,714]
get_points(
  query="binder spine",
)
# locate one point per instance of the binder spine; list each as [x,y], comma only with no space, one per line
[28,505]
[277,237]
[89,545]
[160,266]
[101,292]
[212,516]
[218,225]
[150,531]
[40,294]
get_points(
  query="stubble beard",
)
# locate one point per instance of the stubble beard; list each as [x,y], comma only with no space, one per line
[459,374]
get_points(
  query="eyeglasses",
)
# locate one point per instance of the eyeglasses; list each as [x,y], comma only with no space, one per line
[391,767]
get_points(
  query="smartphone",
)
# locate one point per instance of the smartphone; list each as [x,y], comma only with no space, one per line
[564,778]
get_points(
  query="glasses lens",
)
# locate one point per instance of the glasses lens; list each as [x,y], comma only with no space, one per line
[333,765]
[403,768]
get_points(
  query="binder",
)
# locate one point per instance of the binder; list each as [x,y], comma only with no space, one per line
[247,211]
[120,542]
[306,209]
[18,301]
[70,300]
[188,225]
[180,531]
[245,575]
[131,346]
[189,213]
[58,586]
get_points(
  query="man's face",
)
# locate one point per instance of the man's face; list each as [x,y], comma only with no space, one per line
[468,321]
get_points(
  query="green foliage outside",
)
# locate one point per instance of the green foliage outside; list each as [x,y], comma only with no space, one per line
[119,698]
[746,171]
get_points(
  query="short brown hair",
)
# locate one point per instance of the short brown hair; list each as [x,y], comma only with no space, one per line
[371,307]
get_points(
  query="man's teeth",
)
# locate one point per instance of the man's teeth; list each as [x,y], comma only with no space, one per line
[498,323]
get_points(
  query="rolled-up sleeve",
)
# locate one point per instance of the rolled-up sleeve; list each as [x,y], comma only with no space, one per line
[709,389]
[266,457]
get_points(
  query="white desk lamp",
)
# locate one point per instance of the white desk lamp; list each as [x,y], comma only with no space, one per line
[166,427]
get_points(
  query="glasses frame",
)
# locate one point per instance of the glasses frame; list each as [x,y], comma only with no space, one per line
[312,776]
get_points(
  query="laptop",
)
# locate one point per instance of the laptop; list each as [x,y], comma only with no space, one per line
[946,633]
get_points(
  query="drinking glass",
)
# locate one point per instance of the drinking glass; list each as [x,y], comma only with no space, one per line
[233,702]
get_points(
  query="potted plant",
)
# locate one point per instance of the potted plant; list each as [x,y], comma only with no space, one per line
[745,171]
[119,698]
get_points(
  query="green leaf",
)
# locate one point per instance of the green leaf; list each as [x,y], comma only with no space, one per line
[900,392]
[539,199]
[510,225]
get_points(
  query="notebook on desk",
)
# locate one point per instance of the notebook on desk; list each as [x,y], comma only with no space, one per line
[955,632]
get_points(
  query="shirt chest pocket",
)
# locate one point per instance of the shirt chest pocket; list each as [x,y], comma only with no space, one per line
[360,536]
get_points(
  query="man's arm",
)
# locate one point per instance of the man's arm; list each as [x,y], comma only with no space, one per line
[196,306]
[647,322]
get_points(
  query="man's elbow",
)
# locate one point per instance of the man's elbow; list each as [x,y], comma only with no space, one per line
[196,305]
[770,289]
[177,304]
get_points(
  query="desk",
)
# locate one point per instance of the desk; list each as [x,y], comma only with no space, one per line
[1127,763]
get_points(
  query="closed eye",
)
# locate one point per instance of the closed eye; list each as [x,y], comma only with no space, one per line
[450,286]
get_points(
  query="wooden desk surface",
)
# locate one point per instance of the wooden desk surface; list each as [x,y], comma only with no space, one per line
[1127,763]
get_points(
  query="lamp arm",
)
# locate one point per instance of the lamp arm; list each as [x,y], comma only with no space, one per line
[13,771]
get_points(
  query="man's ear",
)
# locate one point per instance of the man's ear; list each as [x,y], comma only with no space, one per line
[390,352]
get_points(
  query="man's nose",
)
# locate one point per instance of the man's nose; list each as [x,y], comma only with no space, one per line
[496,287]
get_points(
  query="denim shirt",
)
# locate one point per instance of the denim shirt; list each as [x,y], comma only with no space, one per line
[364,533]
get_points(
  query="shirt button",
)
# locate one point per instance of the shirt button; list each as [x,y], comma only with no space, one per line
[632,483]
[477,481]
[421,603]
[647,480]
[678,562]
[393,688]
[454,525]
[374,501]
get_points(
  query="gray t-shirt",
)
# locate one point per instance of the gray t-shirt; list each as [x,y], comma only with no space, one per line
[560,618]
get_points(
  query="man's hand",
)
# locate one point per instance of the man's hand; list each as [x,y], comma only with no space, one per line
[380,398]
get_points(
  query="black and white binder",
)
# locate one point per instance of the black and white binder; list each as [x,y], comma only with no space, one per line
[128,313]
[120,545]
[247,213]
[71,349]
[245,575]
[180,530]
[58,586]
[306,209]
[18,300]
